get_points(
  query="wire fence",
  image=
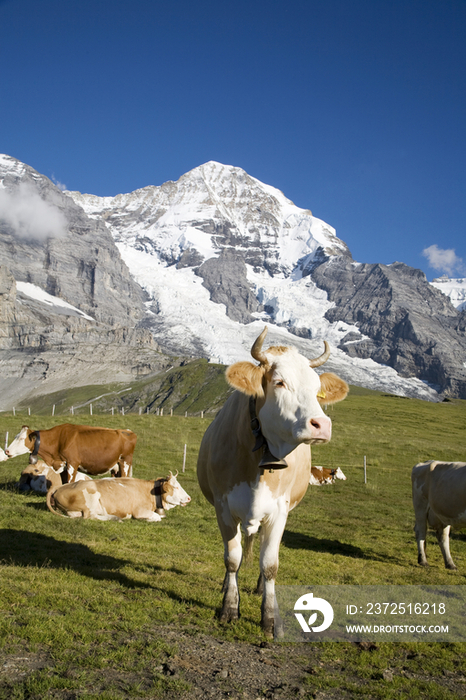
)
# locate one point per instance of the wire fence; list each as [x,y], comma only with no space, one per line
[88,409]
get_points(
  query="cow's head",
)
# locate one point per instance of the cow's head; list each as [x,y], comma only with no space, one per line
[173,494]
[3,456]
[24,442]
[289,395]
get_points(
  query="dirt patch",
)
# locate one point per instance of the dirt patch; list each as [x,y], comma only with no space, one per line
[207,667]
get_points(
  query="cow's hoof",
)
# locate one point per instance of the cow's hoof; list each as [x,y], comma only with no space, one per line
[229,615]
[268,627]
[451,567]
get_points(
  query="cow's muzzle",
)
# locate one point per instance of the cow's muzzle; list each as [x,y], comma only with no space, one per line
[320,429]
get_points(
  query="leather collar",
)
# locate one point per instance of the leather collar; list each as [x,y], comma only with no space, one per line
[268,460]
[158,497]
[34,453]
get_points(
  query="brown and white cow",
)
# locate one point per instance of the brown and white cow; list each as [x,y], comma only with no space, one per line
[40,478]
[254,461]
[69,448]
[323,475]
[118,499]
[439,500]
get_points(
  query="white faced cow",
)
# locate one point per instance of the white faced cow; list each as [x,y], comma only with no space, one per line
[118,499]
[255,460]
[439,499]
[70,447]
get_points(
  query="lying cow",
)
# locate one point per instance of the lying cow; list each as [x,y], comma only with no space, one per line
[322,475]
[118,499]
[439,500]
[40,478]
[69,447]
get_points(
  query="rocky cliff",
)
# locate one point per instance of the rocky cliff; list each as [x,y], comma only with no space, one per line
[69,308]
[403,321]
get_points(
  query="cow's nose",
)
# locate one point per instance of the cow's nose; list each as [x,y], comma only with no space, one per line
[321,428]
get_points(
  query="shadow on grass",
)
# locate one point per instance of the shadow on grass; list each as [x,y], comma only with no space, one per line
[22,548]
[297,540]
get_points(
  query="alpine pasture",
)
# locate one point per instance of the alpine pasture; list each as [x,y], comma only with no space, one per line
[96,595]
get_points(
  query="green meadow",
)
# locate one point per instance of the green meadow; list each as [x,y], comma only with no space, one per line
[95,595]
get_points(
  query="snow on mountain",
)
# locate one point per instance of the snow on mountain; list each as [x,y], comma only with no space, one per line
[453,288]
[59,305]
[167,234]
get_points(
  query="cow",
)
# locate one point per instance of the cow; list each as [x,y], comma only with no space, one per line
[439,501]
[40,478]
[3,456]
[254,461]
[69,447]
[118,499]
[322,475]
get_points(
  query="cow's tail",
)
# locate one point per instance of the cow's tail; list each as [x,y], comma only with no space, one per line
[51,503]
[247,548]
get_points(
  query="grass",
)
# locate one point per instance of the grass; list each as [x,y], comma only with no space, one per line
[93,596]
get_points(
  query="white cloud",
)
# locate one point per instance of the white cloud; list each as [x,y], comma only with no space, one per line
[29,215]
[59,184]
[444,260]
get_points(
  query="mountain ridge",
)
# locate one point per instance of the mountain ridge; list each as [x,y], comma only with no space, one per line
[197,267]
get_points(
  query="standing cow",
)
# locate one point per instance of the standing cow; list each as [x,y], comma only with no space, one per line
[254,462]
[439,500]
[69,447]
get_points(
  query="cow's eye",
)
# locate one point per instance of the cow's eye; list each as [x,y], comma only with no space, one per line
[280,383]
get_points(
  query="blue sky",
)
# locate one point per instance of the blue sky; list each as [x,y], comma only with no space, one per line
[355,109]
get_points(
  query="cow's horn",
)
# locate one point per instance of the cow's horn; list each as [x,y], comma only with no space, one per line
[323,358]
[256,350]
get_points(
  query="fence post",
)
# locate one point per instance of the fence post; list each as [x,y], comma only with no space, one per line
[140,410]
[202,414]
[53,410]
[14,411]
[184,458]
[365,470]
[29,411]
[6,440]
[90,408]
[171,411]
[72,410]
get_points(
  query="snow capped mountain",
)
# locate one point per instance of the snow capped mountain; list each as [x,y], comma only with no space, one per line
[220,254]
[198,267]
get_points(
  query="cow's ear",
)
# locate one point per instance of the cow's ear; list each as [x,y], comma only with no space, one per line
[333,388]
[246,377]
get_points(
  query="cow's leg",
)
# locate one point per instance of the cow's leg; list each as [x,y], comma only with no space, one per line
[71,471]
[443,537]
[233,553]
[420,530]
[124,468]
[272,532]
